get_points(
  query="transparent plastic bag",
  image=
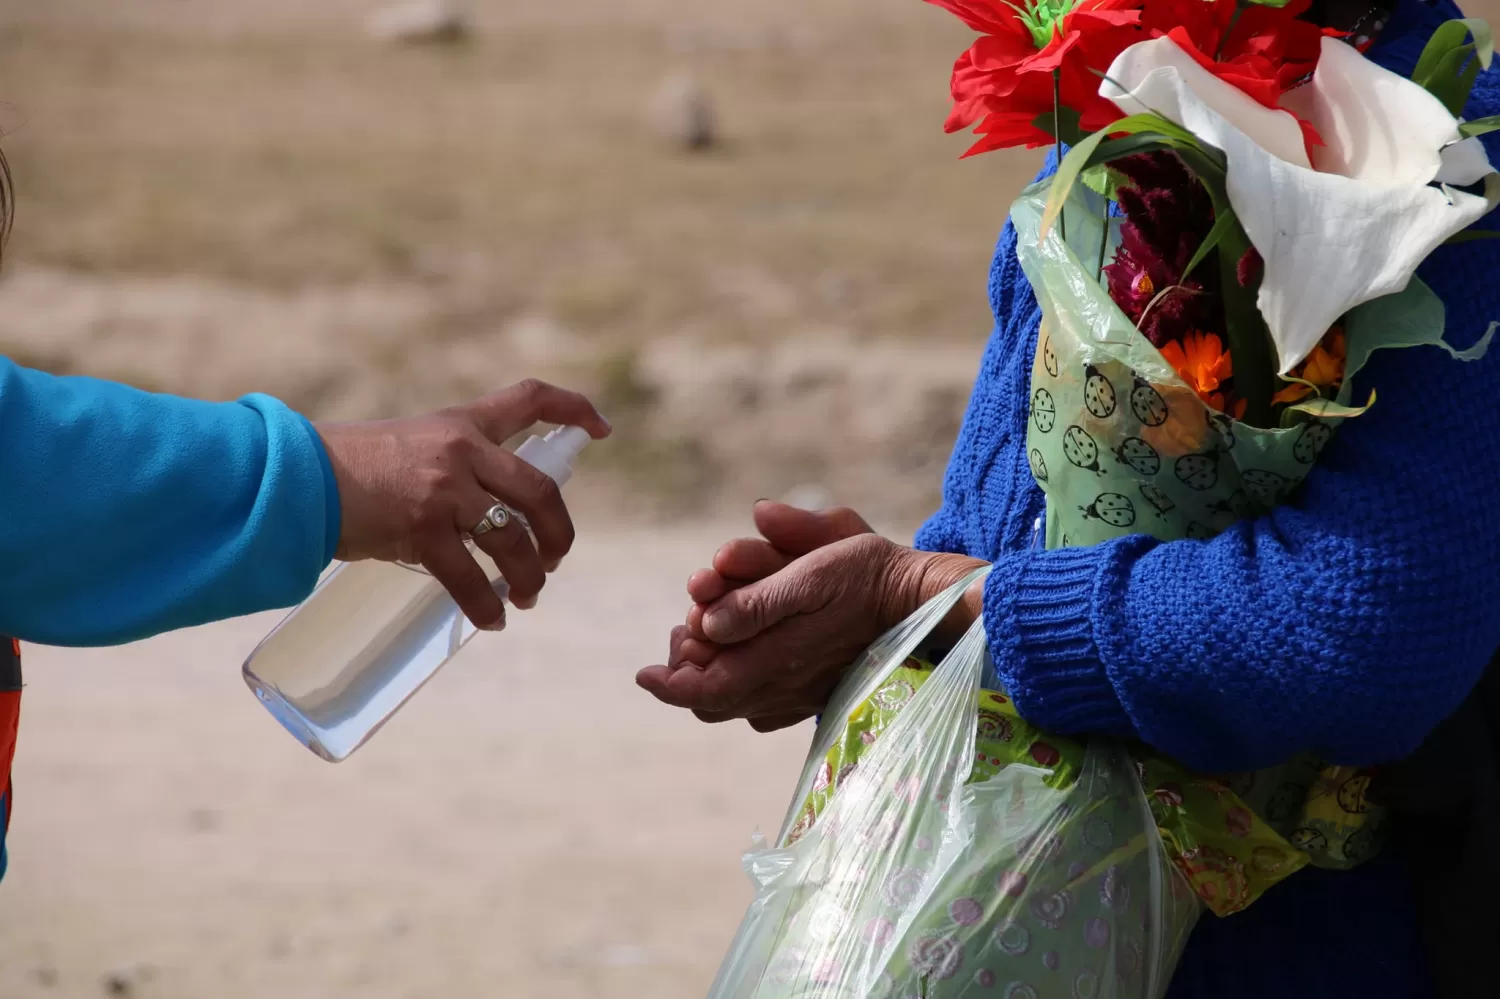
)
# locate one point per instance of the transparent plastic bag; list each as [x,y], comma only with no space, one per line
[926,875]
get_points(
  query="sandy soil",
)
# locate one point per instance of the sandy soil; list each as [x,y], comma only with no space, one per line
[530,825]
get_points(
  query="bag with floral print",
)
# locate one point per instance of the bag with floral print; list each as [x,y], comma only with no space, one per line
[939,846]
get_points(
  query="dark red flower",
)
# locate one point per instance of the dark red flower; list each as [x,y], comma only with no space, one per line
[1005,81]
[1168,214]
[1247,269]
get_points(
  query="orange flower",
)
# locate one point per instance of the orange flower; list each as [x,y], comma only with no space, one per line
[1202,362]
[1322,371]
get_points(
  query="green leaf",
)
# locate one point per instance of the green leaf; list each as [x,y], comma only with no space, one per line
[1068,171]
[1471,236]
[1454,79]
[1248,339]
[1327,409]
[1210,167]
[1479,126]
[1246,335]
[1224,222]
[1451,35]
[1288,416]
[1065,130]
[1450,63]
[1129,145]
[1142,133]
[1102,181]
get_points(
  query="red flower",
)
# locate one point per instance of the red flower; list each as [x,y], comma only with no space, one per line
[1265,51]
[1005,81]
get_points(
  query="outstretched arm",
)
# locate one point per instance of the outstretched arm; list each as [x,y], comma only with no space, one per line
[126,513]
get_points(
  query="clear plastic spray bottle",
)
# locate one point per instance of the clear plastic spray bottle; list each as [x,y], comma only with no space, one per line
[341,663]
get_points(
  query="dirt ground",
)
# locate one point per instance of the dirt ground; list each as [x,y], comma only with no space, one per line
[531,824]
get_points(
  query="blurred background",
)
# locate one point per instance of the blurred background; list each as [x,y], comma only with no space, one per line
[739,225]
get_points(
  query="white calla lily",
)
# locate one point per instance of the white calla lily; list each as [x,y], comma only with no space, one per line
[1351,226]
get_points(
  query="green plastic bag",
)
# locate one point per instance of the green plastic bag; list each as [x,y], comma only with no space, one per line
[1229,855]
[953,854]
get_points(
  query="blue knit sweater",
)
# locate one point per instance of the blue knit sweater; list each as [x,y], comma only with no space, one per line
[125,513]
[1348,622]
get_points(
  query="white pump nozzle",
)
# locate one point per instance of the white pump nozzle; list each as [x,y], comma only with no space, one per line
[553,455]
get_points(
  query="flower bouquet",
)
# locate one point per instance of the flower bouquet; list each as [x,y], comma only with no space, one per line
[1213,269]
[1198,348]
[1232,234]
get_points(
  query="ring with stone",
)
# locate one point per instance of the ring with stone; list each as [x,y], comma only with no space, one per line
[495,518]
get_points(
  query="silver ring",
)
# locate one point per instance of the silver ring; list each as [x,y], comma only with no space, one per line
[495,518]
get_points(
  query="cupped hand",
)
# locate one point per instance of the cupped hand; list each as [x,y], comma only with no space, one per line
[787,534]
[776,619]
[775,648]
[410,490]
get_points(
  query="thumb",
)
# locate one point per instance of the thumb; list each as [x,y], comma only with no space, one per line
[797,532]
[746,612]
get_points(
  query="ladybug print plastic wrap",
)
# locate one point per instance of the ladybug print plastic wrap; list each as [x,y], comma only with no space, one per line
[1098,394]
[1080,450]
[1110,416]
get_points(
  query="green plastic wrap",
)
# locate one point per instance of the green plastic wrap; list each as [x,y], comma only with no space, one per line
[1120,445]
[1118,442]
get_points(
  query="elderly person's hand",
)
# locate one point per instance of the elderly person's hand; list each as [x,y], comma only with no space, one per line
[410,490]
[776,621]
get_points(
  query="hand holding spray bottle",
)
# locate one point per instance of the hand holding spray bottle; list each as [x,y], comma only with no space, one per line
[341,663]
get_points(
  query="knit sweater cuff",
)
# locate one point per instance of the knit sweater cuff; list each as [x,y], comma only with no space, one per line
[1039,616]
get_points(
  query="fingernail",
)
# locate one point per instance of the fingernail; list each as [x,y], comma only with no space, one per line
[608,427]
[495,626]
[525,603]
[717,620]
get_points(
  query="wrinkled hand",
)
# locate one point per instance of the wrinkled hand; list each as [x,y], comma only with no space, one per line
[776,621]
[787,534]
[779,645]
[411,489]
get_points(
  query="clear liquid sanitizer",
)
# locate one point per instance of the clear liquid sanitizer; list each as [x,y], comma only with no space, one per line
[372,633]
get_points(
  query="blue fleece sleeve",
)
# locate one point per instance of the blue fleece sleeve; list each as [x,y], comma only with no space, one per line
[124,513]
